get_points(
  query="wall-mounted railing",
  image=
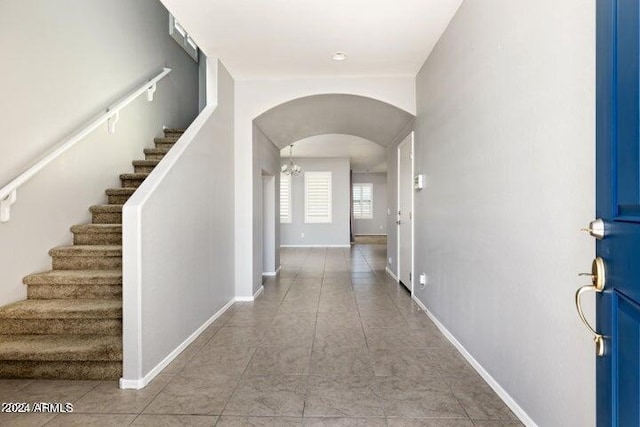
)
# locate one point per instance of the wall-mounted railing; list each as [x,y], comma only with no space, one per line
[9,193]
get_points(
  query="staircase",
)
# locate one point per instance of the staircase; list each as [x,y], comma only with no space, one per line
[70,325]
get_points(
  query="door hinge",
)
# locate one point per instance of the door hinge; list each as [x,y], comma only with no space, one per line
[409,276]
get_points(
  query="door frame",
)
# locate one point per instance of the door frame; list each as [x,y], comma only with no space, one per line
[410,141]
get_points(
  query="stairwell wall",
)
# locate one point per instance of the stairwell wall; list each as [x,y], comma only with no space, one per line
[505,134]
[179,240]
[62,63]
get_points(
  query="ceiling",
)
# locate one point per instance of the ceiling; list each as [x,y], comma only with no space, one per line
[313,115]
[365,155]
[295,38]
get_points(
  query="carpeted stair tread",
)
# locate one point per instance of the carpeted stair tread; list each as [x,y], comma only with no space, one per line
[167,139]
[105,209]
[175,130]
[97,228]
[75,277]
[145,162]
[121,191]
[87,251]
[63,309]
[156,150]
[133,175]
[61,347]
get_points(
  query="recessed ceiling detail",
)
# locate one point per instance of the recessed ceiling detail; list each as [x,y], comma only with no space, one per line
[293,38]
[301,118]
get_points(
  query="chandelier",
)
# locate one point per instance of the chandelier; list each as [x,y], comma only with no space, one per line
[291,169]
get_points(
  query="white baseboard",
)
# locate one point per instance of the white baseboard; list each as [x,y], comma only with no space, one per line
[315,246]
[271,273]
[252,297]
[139,383]
[502,393]
[390,273]
[383,234]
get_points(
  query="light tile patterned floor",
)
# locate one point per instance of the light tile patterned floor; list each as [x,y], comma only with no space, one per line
[333,341]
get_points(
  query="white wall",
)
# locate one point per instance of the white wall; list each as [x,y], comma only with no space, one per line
[505,135]
[254,97]
[61,65]
[179,241]
[337,232]
[377,224]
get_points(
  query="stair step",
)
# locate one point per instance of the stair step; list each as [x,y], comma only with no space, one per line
[119,196]
[132,180]
[62,370]
[106,214]
[165,142]
[97,234]
[63,309]
[87,257]
[174,131]
[155,153]
[62,317]
[59,348]
[74,284]
[75,277]
[144,166]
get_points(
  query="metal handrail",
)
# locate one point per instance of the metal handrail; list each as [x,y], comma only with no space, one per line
[8,193]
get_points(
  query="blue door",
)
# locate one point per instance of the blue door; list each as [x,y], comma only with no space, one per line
[618,205]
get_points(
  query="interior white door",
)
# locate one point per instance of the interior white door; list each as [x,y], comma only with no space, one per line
[405,214]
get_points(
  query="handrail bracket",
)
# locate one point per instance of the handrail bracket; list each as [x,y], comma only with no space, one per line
[5,205]
[150,91]
[111,122]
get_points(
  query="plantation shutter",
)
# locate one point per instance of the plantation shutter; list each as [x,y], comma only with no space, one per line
[363,201]
[285,198]
[317,197]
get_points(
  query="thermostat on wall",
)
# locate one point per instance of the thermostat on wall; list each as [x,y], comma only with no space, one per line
[418,182]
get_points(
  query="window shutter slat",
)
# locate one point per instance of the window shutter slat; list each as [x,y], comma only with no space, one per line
[285,198]
[363,201]
[317,197]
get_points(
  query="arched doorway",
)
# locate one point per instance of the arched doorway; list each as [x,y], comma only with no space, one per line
[379,122]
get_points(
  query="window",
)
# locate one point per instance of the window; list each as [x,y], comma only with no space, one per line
[363,201]
[179,34]
[285,198]
[317,197]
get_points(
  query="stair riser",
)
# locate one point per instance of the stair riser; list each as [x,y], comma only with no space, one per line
[164,144]
[60,326]
[173,134]
[107,218]
[86,263]
[118,200]
[153,156]
[74,291]
[97,239]
[143,169]
[131,183]
[62,370]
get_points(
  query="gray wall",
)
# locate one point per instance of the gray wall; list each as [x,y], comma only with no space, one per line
[187,248]
[63,62]
[505,135]
[377,224]
[266,160]
[334,234]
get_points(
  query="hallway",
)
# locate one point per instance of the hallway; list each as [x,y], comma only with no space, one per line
[332,341]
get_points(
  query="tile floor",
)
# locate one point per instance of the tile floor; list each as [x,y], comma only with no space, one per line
[332,341]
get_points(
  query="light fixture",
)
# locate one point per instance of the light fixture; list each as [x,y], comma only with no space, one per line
[339,56]
[290,169]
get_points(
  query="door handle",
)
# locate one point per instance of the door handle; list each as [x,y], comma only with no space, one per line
[399,222]
[597,285]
